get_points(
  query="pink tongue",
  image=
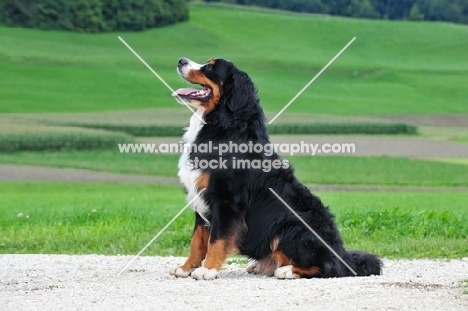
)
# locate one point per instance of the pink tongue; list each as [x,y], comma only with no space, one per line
[185,91]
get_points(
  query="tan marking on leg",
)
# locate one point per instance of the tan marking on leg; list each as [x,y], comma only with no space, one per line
[202,180]
[311,271]
[281,259]
[198,248]
[218,252]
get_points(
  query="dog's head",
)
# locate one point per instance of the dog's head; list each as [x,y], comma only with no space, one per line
[221,81]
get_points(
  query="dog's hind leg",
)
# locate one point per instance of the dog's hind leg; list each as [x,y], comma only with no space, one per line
[295,272]
[287,269]
[265,266]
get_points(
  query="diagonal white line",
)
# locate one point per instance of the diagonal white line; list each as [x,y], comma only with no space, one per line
[311,81]
[181,100]
[313,231]
[159,233]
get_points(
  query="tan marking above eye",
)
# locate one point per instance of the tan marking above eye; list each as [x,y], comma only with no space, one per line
[211,61]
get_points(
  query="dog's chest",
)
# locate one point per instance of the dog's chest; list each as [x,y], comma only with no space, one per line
[187,174]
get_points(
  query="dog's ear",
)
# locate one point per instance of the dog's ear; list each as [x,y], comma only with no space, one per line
[239,92]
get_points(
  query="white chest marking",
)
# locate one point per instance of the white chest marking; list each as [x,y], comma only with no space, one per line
[188,176]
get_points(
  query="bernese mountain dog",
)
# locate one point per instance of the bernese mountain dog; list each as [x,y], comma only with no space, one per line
[235,211]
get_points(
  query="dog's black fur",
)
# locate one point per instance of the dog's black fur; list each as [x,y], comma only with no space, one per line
[241,206]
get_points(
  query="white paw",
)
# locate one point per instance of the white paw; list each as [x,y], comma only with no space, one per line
[285,272]
[204,274]
[178,272]
[252,267]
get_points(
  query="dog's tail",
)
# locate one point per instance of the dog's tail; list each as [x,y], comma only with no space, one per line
[365,264]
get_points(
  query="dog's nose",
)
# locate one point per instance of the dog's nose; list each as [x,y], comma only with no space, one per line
[183,61]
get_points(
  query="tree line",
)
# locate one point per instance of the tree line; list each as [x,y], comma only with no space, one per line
[92,15]
[432,10]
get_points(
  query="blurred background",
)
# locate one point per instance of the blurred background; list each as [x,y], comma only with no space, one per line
[70,92]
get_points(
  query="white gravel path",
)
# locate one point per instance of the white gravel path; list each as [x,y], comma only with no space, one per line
[61,282]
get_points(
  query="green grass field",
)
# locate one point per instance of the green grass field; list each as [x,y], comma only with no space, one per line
[58,87]
[121,219]
[348,170]
[392,67]
[94,218]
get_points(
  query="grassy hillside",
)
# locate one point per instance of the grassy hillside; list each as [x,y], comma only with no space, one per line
[392,67]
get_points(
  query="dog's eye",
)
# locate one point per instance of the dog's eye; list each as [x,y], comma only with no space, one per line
[209,67]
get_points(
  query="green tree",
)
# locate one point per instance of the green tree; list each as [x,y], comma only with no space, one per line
[92,15]
[362,8]
[86,15]
[415,14]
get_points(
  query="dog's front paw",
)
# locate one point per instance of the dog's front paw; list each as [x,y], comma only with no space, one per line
[285,272]
[204,274]
[179,272]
